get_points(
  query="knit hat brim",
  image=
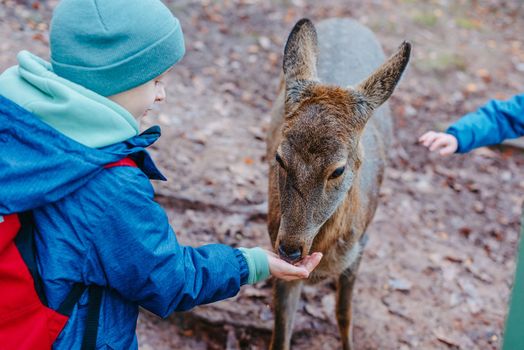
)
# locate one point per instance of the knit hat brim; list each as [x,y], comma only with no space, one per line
[108,81]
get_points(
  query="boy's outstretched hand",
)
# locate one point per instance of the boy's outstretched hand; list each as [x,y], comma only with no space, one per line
[445,143]
[288,272]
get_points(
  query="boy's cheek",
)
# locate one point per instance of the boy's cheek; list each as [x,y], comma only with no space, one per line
[146,112]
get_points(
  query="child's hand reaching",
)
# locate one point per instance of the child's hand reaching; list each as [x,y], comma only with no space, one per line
[288,272]
[446,143]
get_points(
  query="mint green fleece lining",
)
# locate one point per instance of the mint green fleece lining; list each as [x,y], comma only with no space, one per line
[81,114]
[257,263]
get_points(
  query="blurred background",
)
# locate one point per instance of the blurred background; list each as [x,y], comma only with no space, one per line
[439,265]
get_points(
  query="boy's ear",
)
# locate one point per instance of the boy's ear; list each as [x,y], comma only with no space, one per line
[300,57]
[379,86]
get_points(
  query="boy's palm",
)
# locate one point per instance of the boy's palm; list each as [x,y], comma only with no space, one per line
[288,272]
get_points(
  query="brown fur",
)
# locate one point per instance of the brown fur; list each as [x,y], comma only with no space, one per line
[316,129]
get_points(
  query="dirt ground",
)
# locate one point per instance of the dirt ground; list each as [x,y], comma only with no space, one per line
[438,267]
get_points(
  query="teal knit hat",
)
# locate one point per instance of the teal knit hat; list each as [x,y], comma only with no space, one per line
[110,46]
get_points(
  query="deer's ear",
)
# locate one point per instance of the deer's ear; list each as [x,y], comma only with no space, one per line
[378,87]
[300,56]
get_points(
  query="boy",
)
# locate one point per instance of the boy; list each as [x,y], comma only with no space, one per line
[95,225]
[490,125]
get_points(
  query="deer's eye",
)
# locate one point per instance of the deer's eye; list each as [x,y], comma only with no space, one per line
[337,172]
[279,160]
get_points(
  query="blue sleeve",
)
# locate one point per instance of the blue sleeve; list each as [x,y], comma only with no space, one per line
[489,125]
[135,251]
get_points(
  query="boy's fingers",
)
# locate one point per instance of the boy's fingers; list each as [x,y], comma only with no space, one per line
[311,261]
[430,135]
[446,151]
[425,136]
[430,139]
[441,142]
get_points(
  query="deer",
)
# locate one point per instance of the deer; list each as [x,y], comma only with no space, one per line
[327,146]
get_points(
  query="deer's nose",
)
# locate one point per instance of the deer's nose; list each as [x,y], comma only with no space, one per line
[289,253]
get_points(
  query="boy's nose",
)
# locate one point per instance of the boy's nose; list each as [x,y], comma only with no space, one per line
[160,95]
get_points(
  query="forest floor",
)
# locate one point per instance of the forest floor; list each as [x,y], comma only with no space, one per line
[438,268]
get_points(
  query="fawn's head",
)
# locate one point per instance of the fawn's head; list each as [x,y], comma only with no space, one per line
[318,157]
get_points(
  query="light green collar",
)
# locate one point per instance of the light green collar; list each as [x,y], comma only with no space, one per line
[75,111]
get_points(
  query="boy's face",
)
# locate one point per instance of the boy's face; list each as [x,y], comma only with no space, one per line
[139,100]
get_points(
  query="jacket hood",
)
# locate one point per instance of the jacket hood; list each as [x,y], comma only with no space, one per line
[39,165]
[81,114]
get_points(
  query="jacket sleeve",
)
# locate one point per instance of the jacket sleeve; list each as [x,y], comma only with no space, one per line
[135,251]
[489,125]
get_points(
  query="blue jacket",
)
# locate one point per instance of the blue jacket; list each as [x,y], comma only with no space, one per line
[102,226]
[490,124]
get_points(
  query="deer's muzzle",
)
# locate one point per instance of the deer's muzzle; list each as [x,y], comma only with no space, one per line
[290,253]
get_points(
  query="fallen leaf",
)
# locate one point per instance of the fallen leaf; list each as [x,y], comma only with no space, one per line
[314,311]
[446,337]
[399,284]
